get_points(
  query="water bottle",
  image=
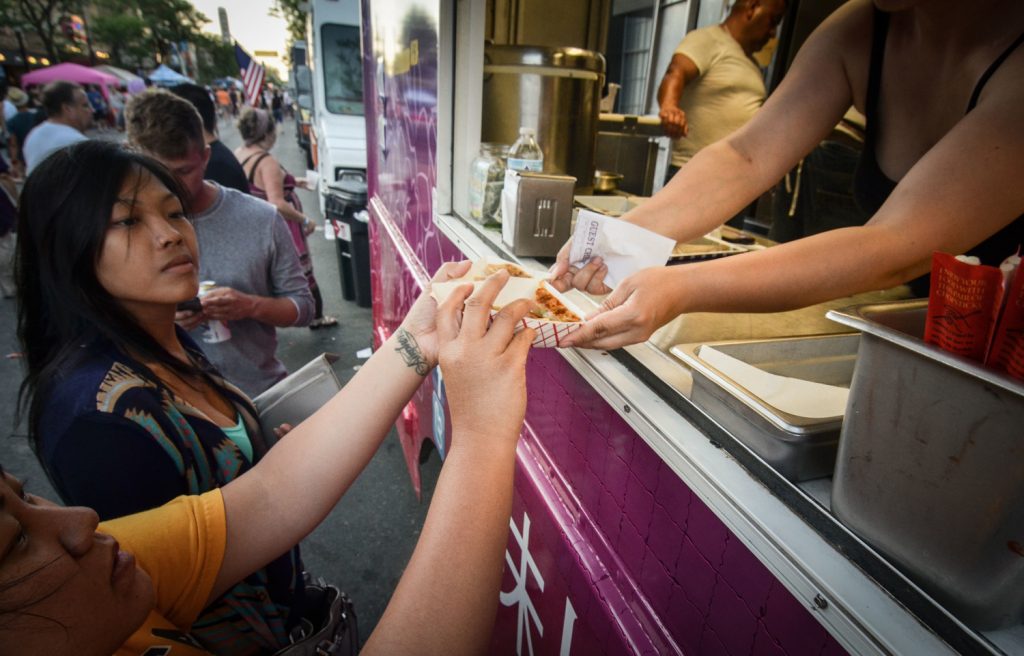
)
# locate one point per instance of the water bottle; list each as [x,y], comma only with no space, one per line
[525,154]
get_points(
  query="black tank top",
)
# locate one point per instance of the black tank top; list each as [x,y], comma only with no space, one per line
[871,187]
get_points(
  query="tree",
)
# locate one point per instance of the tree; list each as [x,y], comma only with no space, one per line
[216,58]
[294,13]
[40,16]
[170,21]
[273,76]
[124,34]
[136,30]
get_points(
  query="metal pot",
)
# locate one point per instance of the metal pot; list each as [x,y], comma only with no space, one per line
[555,91]
[606,181]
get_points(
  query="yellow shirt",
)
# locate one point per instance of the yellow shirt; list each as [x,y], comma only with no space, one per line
[181,546]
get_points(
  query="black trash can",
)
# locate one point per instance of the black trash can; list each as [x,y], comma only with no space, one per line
[346,208]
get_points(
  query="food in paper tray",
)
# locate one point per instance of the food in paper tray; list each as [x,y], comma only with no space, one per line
[554,318]
[491,268]
[551,308]
[484,268]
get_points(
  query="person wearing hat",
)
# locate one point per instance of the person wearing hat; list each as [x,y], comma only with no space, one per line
[19,125]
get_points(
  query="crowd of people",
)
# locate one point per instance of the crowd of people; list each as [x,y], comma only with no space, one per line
[229,102]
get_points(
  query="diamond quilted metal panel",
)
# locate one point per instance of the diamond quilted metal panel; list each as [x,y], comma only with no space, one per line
[687,569]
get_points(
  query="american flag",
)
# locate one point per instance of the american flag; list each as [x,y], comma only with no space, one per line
[252,75]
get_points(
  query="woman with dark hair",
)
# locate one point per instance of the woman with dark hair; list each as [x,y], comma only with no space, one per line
[125,413]
[270,181]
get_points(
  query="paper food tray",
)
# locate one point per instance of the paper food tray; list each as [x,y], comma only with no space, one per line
[549,334]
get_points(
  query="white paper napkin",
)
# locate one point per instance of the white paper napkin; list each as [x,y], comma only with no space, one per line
[802,398]
[625,247]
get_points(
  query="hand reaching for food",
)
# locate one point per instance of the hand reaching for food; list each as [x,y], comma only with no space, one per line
[483,359]
[420,324]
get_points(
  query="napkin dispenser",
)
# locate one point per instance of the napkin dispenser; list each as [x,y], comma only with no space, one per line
[536,212]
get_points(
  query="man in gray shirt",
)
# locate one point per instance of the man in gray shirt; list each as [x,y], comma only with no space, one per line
[244,247]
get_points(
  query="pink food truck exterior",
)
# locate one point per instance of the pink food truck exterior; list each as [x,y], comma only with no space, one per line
[639,526]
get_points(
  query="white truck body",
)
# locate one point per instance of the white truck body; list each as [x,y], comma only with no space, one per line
[334,56]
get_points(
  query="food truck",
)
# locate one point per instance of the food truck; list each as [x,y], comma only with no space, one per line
[661,507]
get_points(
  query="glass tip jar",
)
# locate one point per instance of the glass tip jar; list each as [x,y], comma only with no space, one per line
[487,179]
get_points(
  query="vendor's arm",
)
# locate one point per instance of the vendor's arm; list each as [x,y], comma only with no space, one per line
[728,175]
[681,71]
[963,190]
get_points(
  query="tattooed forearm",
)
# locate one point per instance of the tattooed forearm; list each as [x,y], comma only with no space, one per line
[410,352]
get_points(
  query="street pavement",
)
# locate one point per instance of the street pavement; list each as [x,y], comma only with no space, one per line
[364,544]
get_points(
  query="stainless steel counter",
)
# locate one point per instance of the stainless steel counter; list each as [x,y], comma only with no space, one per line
[871,606]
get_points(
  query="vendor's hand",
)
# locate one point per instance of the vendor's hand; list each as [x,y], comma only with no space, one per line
[644,302]
[227,304]
[188,319]
[673,122]
[484,366]
[420,322]
[563,276]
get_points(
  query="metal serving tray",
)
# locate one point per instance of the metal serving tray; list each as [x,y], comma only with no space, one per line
[931,465]
[611,205]
[705,248]
[799,448]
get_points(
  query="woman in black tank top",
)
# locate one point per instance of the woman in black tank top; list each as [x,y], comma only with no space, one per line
[871,187]
[905,64]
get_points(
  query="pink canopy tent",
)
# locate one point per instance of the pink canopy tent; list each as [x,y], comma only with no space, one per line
[70,73]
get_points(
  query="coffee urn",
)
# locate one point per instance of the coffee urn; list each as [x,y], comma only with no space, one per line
[555,91]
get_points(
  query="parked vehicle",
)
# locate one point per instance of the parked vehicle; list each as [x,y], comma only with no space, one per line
[338,127]
[302,81]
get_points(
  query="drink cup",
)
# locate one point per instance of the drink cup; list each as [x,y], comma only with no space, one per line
[312,178]
[216,331]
